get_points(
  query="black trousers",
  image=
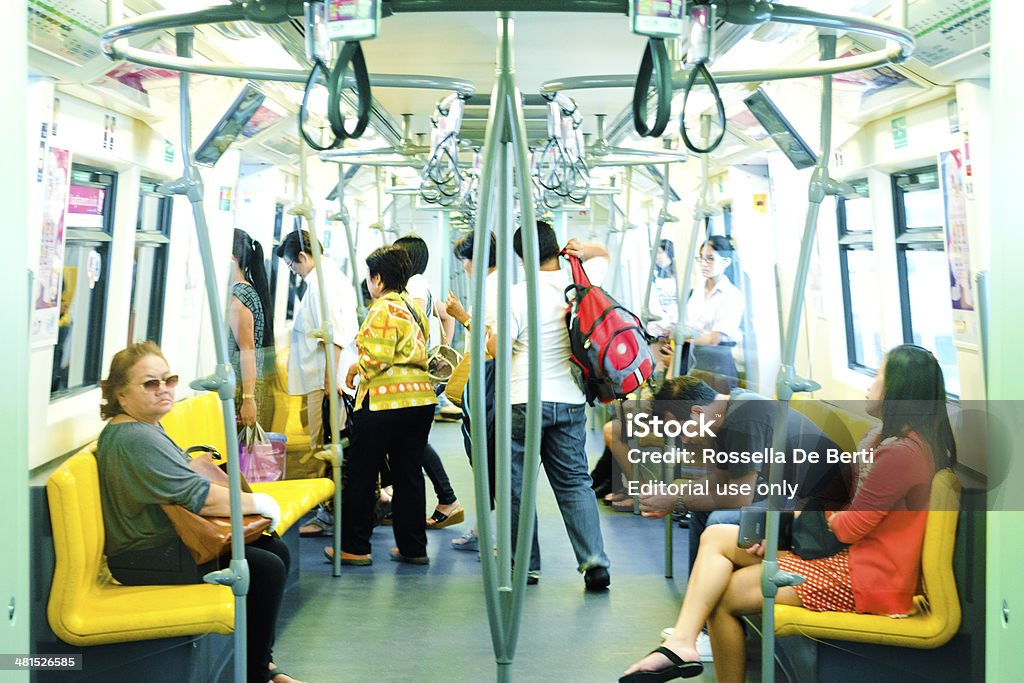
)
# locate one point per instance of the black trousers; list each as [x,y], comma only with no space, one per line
[488,419]
[402,433]
[268,560]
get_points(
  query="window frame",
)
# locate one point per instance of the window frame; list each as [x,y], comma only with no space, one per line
[850,240]
[159,240]
[93,362]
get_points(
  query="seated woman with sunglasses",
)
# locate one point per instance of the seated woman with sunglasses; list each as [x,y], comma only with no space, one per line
[141,468]
[884,526]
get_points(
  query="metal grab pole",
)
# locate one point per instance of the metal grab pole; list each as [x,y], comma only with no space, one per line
[223,380]
[788,382]
[325,333]
[346,220]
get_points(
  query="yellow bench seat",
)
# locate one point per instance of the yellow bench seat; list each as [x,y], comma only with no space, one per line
[86,606]
[296,497]
[937,617]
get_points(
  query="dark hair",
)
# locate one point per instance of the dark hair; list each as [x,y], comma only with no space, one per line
[914,400]
[393,265]
[120,369]
[680,394]
[464,249]
[249,255]
[547,242]
[670,250]
[419,255]
[296,242]
[721,244]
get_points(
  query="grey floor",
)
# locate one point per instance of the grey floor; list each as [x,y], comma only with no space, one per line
[393,622]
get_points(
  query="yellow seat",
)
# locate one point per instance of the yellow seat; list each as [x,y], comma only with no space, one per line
[938,611]
[844,428]
[86,606]
[288,409]
[296,497]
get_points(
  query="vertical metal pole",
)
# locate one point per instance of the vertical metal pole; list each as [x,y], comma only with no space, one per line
[788,382]
[503,374]
[345,221]
[531,262]
[663,217]
[223,380]
[332,453]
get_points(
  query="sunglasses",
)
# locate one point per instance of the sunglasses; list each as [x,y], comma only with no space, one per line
[155,384]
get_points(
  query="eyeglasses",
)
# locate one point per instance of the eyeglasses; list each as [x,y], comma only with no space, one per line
[705,259]
[155,384]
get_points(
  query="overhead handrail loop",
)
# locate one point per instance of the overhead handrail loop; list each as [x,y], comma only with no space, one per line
[654,63]
[351,53]
[318,67]
[702,69]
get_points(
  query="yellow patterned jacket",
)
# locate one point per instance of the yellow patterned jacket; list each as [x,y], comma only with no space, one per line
[393,356]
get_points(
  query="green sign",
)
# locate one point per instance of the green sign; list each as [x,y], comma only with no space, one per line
[168,151]
[899,132]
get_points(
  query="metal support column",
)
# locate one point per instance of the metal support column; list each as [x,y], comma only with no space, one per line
[505,151]
[332,452]
[788,382]
[190,184]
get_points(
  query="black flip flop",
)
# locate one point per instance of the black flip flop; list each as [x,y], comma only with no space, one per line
[677,669]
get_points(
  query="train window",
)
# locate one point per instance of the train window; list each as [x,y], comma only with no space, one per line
[149,273]
[77,357]
[858,267]
[923,270]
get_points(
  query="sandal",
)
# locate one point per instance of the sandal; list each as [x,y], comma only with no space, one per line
[278,671]
[349,558]
[676,669]
[468,542]
[314,528]
[439,520]
[399,557]
[623,505]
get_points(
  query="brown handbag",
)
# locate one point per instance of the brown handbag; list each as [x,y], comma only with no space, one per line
[207,538]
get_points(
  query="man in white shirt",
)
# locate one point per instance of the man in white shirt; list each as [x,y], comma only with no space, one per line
[307,362]
[563,429]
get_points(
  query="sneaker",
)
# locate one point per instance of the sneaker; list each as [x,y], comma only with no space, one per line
[532,578]
[596,579]
[703,643]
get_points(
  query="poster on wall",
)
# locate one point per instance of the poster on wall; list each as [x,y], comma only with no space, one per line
[47,302]
[961,286]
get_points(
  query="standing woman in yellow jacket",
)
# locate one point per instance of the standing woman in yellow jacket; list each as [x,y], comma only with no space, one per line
[394,410]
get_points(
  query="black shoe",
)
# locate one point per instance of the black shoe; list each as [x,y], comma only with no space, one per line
[596,579]
[684,523]
[602,489]
[532,578]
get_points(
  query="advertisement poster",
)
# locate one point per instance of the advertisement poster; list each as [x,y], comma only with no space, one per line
[961,285]
[46,298]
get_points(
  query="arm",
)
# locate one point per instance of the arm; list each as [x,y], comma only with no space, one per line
[585,251]
[725,501]
[241,322]
[455,310]
[898,468]
[447,322]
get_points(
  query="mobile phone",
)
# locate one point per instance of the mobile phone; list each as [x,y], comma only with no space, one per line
[753,524]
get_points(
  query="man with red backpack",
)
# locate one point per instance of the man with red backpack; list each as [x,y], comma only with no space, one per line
[563,428]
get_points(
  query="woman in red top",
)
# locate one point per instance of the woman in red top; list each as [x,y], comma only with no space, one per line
[884,525]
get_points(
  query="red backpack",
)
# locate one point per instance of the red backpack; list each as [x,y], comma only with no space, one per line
[608,342]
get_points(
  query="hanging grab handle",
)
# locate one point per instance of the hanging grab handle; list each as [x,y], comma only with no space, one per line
[318,68]
[702,69]
[655,63]
[352,54]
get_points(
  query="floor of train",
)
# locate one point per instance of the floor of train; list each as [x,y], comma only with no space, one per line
[395,622]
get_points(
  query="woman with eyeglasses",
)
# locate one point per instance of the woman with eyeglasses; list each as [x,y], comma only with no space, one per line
[713,316]
[141,468]
[251,321]
[883,527]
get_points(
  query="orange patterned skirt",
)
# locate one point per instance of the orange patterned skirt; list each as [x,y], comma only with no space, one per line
[826,586]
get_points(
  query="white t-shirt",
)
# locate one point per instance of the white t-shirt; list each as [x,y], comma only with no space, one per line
[307,363]
[720,310]
[418,287]
[558,383]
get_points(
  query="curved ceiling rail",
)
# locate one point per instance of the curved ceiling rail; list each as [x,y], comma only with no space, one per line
[115,45]
[899,52]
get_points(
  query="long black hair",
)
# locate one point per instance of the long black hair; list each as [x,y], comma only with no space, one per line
[249,255]
[418,252]
[914,399]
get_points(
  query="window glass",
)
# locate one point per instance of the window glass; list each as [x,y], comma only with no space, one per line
[149,272]
[931,312]
[924,209]
[865,330]
[858,215]
[77,356]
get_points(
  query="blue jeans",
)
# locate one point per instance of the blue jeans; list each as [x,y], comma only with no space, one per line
[699,521]
[563,452]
